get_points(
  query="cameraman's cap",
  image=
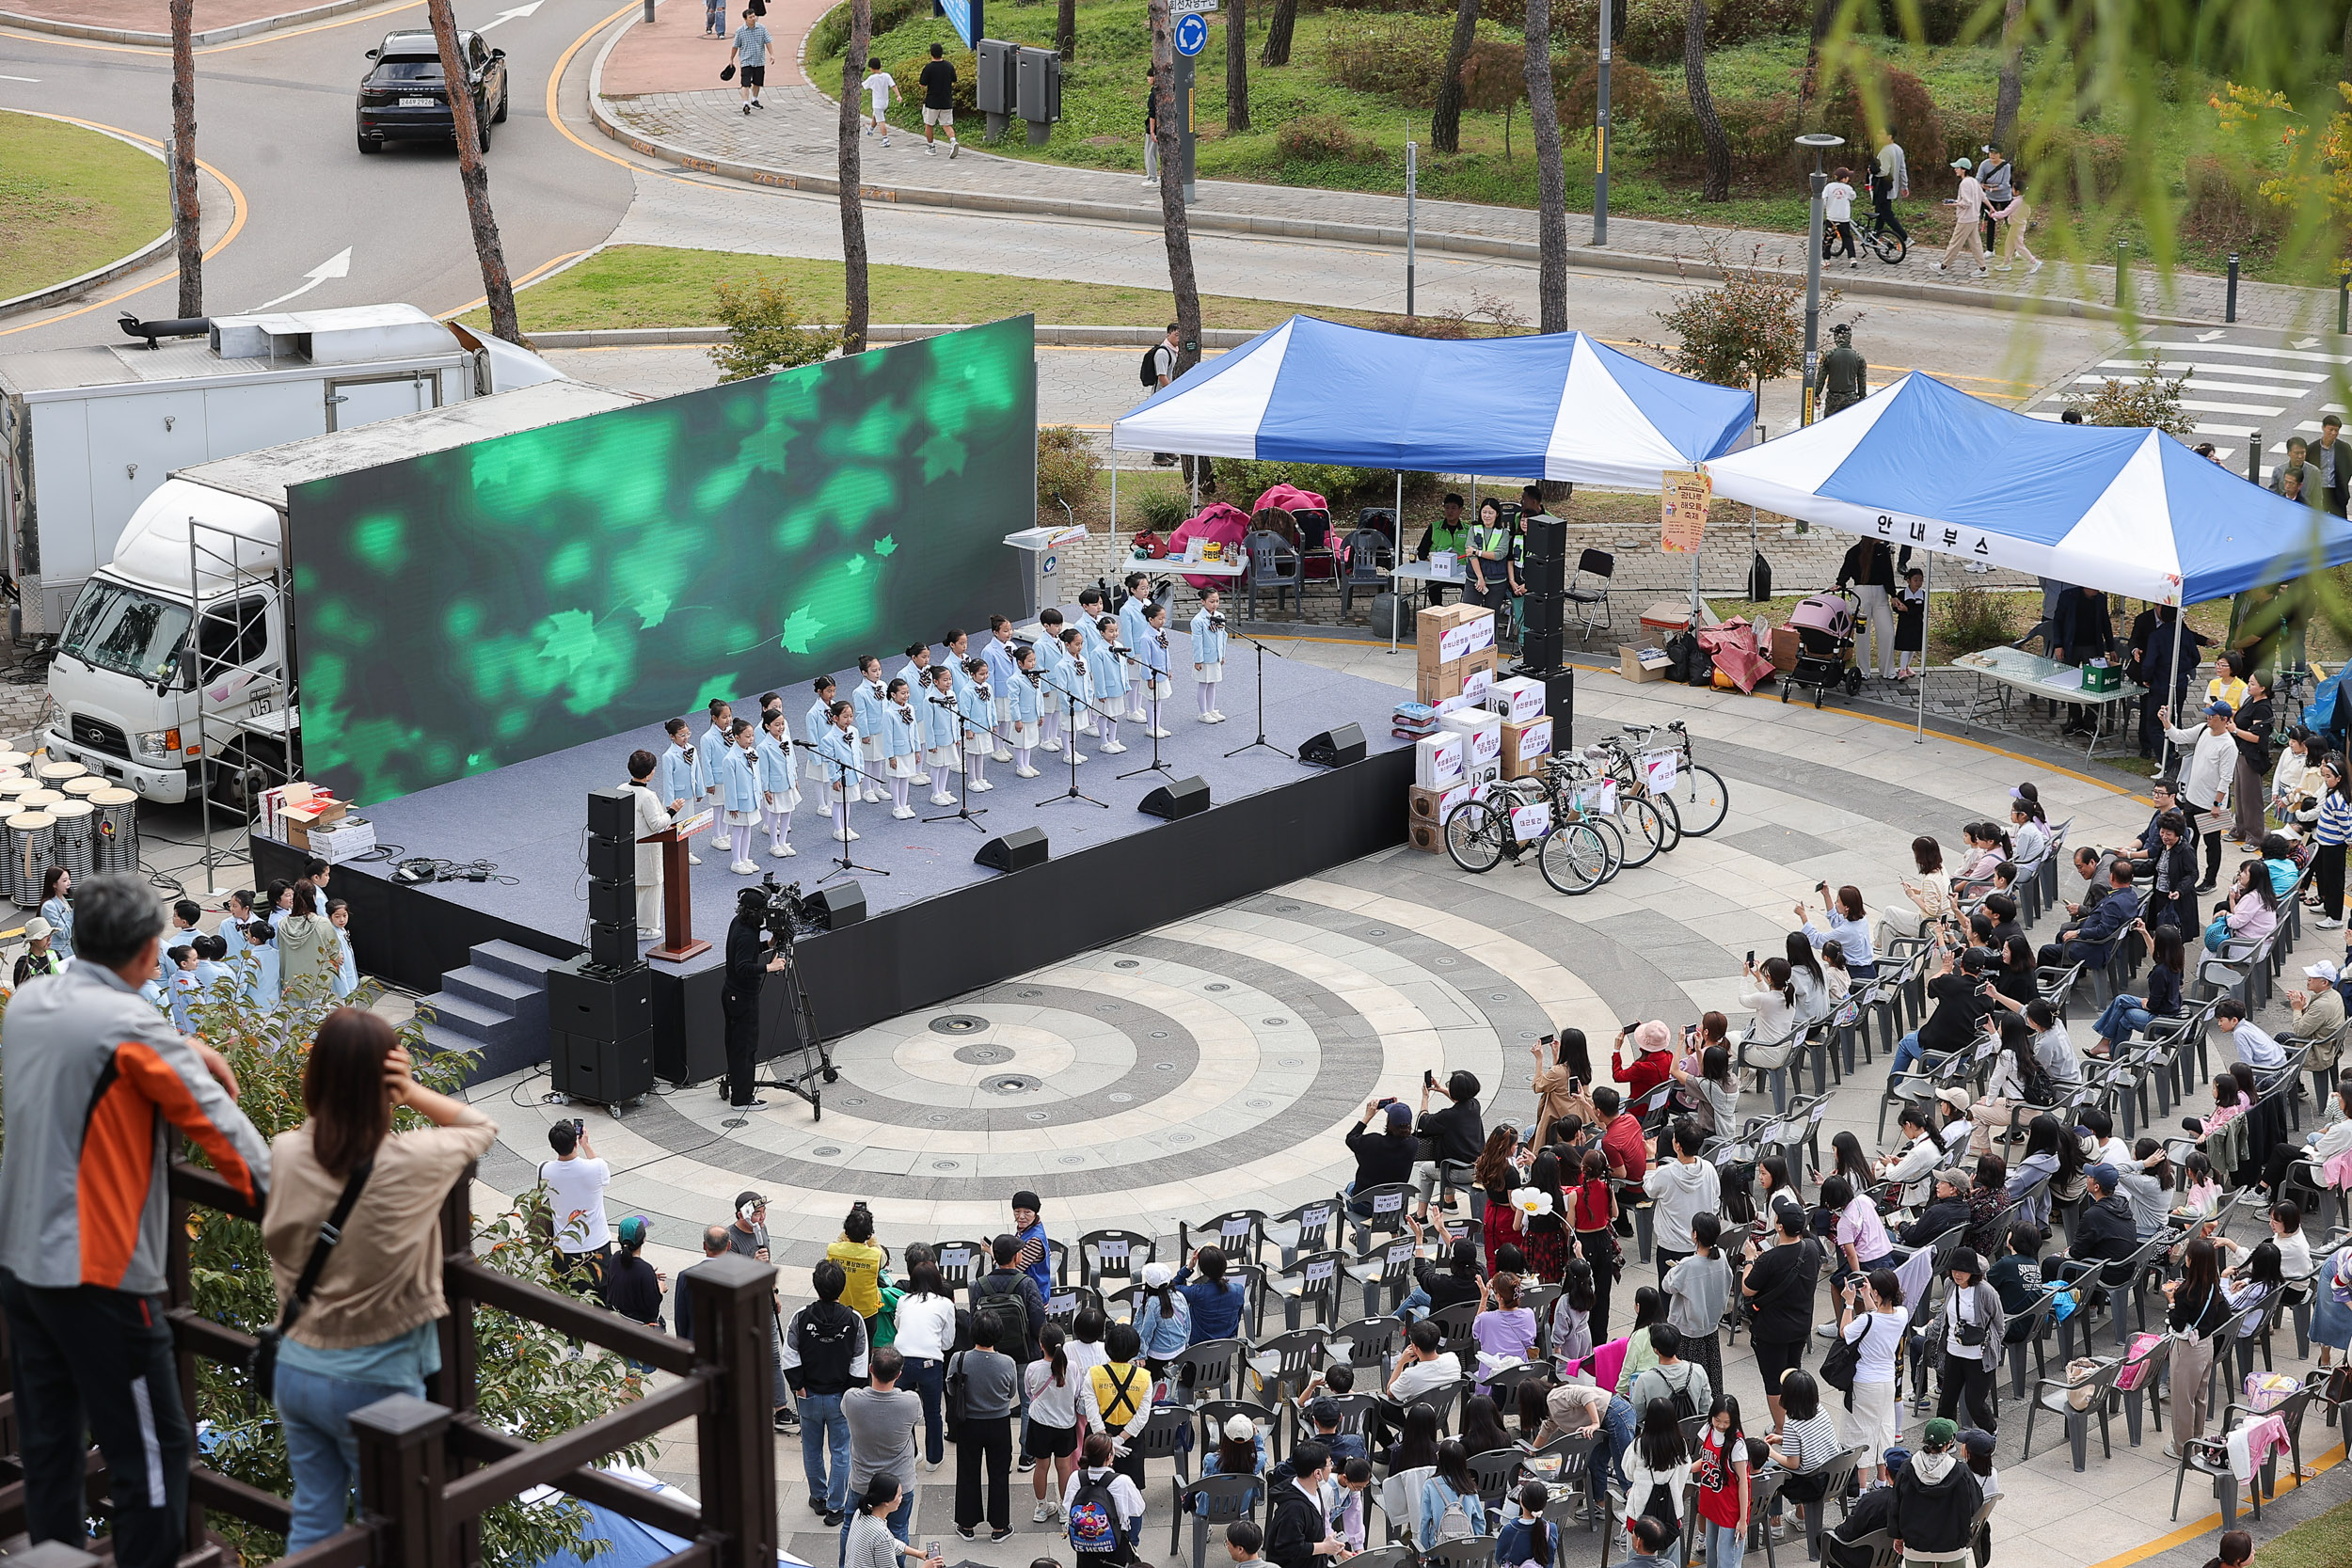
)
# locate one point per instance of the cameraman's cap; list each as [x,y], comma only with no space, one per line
[2222,708]
[750,1200]
[1029,1200]
[1400,1114]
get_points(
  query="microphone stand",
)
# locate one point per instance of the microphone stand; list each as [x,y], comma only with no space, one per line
[963,805]
[1070,748]
[1150,720]
[847,864]
[1262,740]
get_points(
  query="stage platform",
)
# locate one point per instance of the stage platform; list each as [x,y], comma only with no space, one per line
[935,926]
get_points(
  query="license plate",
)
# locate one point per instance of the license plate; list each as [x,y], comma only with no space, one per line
[418,103]
[261,704]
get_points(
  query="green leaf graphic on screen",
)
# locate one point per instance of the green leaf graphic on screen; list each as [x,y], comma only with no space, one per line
[472,609]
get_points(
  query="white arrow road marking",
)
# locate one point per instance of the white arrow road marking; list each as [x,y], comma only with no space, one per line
[509,16]
[2304,342]
[2207,337]
[337,265]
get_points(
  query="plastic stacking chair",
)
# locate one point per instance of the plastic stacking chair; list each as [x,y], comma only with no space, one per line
[1274,566]
[1366,559]
[2054,1395]
[1211,1500]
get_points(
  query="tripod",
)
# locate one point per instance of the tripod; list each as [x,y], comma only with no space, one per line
[1151,719]
[1262,740]
[847,864]
[964,811]
[803,1021]
[1070,752]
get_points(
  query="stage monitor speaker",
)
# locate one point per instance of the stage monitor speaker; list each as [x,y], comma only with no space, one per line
[599,1004]
[1540,652]
[1017,851]
[613,860]
[612,943]
[607,1072]
[1334,748]
[1181,798]
[612,812]
[1544,614]
[1547,538]
[836,907]
[611,903]
[1545,576]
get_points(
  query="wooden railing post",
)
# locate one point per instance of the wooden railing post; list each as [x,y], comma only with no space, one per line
[403,1469]
[734,1319]
[455,1385]
[179,1291]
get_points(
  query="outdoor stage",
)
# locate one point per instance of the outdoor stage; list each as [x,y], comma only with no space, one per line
[937,925]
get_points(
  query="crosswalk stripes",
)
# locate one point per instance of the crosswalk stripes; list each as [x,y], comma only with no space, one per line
[2232,390]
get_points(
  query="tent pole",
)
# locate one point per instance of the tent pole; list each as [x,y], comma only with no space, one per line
[1926,589]
[2172,690]
[1114,495]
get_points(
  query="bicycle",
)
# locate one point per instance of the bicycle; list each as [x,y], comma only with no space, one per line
[1881,241]
[1571,852]
[1700,796]
[1650,822]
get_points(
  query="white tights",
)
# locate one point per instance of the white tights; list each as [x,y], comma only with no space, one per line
[1106,728]
[1206,692]
[898,793]
[779,825]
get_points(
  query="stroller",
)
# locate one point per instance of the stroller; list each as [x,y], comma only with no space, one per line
[1824,625]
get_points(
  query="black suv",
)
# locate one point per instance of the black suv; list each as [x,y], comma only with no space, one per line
[402,97]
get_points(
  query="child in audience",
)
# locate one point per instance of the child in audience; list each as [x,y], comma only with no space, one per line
[346,966]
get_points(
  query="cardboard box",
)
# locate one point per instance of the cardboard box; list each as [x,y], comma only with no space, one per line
[1518,699]
[1525,745]
[1641,664]
[1428,837]
[1434,805]
[1440,761]
[1432,621]
[1480,733]
[2101,677]
[1434,684]
[348,839]
[1673,615]
[1477,680]
[1470,634]
[1785,648]
[1482,777]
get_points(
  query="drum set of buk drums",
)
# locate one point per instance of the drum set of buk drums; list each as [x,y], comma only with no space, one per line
[61,814]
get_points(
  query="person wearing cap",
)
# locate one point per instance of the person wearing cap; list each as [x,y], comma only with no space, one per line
[1240,1450]
[39,956]
[1164,1316]
[2205,782]
[1967,209]
[1937,1498]
[2319,1009]
[632,1287]
[1868,1514]
[1946,1207]
[1034,1253]
[1952,1108]
[1385,1158]
[2104,1230]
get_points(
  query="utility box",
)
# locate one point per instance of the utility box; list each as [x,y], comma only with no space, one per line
[1039,95]
[995,89]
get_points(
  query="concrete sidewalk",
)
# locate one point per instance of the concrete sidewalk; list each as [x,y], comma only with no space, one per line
[149,22]
[789,145]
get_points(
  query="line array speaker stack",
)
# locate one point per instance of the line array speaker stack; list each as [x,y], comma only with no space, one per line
[1545,609]
[601,1006]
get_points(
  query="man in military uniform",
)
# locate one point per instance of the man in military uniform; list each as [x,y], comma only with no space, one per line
[1845,375]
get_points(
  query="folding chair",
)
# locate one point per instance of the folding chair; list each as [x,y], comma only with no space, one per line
[2056,1396]
[1589,596]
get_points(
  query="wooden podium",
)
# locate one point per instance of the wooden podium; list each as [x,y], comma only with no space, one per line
[678,902]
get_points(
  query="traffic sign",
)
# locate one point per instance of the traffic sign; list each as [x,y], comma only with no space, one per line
[1192,34]
[1180,7]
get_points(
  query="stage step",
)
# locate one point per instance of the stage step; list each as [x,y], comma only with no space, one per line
[495,1006]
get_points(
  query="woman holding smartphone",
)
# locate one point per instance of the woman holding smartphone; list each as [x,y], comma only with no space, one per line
[1559,1081]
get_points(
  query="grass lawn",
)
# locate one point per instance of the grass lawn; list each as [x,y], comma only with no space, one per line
[71,201]
[627,286]
[2321,1543]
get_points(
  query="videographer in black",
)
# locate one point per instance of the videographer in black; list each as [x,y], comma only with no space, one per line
[747,943]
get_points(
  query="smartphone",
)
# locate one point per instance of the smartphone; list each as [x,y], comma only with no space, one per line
[578,1126]
[1428,1079]
[1751,957]
[931,1548]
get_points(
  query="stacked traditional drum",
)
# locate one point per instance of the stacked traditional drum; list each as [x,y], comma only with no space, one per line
[60,813]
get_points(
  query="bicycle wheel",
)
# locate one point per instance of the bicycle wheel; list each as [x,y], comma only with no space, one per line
[1645,829]
[1475,833]
[1670,820]
[1702,797]
[1572,859]
[1891,248]
[1613,840]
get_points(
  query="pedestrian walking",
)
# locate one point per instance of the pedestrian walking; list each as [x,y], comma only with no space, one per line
[2014,216]
[749,53]
[714,19]
[1967,207]
[1159,370]
[879,86]
[1151,126]
[2329,457]
[1870,568]
[1845,375]
[1995,173]
[1890,179]
[1837,216]
[938,106]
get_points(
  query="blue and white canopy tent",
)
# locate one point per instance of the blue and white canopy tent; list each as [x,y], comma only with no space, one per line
[2130,511]
[1557,406]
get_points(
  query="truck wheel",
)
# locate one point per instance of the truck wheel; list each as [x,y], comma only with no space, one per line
[237,778]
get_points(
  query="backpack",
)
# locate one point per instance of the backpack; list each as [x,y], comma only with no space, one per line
[1008,1312]
[1152,367]
[829,1341]
[957,1385]
[1454,1524]
[1679,1398]
[2040,1088]
[1094,1517]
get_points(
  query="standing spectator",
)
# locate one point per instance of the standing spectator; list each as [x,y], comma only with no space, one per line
[881,1420]
[1837,216]
[1975,1328]
[367,1330]
[1104,1507]
[879,87]
[1051,1386]
[825,1356]
[347,965]
[1967,208]
[2211,765]
[714,19]
[1681,1190]
[1870,1316]
[749,53]
[927,1332]
[1778,1287]
[862,1261]
[93,1075]
[306,940]
[1697,1290]
[576,1180]
[989,1382]
[2250,726]
[632,1287]
[1890,182]
[56,907]
[938,79]
[1035,1256]
[869,1541]
[1456,1127]
[1845,376]
[1298,1528]
[1911,622]
[2330,831]
[2161,663]
[682,1310]
[2000,186]
[1012,1298]
[1116,1401]
[2335,473]
[2080,631]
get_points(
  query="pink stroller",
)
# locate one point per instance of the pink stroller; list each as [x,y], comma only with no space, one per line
[1824,625]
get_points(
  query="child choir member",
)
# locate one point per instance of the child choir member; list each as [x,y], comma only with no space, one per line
[1105,665]
[1208,655]
[779,782]
[903,729]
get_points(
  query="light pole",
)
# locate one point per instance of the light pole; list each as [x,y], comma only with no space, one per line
[1818,142]
[1601,130]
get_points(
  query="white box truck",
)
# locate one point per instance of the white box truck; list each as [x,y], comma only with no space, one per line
[87,434]
[176,664]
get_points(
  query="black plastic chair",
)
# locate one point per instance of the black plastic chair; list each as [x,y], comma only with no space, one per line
[1221,1499]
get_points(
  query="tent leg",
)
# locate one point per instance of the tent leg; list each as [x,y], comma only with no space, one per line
[1927,589]
[2173,688]
[1114,500]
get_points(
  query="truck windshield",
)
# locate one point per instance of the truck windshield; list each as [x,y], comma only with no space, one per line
[118,627]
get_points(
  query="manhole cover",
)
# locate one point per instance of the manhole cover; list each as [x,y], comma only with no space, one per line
[1179,1137]
[1012,1083]
[1376,931]
[1121,1097]
[854,1099]
[1530,1035]
[1277,1022]
[1446,963]
[983,1055]
[958,1023]
[1285,908]
[1216,984]
[1259,1105]
[1128,963]
[827,1152]
[943,1165]
[936,1118]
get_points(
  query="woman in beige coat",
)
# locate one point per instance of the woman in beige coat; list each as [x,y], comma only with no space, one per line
[1562,1085]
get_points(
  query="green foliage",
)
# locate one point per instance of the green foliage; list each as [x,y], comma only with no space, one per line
[831,31]
[1241,480]
[1972,616]
[1868,97]
[768,330]
[1162,510]
[907,73]
[1065,465]
[2226,208]
[1746,331]
[1401,57]
[1326,139]
[2151,403]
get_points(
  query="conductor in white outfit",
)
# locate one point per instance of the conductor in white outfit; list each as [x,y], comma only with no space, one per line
[652,816]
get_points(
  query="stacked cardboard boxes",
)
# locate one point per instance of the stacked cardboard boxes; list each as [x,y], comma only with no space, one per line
[292,812]
[1454,656]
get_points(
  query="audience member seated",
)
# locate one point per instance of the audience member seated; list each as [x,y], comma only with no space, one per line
[1652,1064]
[2128,1016]
[2251,905]
[1946,1208]
[1927,901]
[2091,940]
[1906,1170]
[1956,992]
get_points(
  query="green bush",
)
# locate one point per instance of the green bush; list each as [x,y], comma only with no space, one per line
[2226,211]
[1163,510]
[907,108]
[831,32]
[1326,139]
[1907,108]
[1633,93]
[1241,480]
[766,330]
[1761,130]
[1065,465]
[1976,617]
[1399,56]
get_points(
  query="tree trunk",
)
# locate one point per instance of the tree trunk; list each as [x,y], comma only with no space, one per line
[1551,178]
[2012,87]
[1176,227]
[1445,121]
[1717,184]
[1278,33]
[475,175]
[1237,67]
[854,298]
[1810,81]
[1066,29]
[187,218]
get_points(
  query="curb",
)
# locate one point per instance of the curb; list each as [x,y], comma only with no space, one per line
[901,332]
[163,41]
[1303,228]
[107,273]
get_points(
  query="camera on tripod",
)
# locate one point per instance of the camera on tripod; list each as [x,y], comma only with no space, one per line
[787,916]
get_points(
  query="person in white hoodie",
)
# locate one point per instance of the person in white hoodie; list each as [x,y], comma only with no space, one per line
[1967,208]
[1679,1191]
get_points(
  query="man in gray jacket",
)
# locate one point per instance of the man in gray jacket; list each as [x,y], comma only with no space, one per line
[98,1086]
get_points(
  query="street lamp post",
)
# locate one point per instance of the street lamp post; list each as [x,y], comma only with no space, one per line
[1818,142]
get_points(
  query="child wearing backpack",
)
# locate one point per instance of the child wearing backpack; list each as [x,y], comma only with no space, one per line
[1451,1507]
[1104,1508]
[1657,1465]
